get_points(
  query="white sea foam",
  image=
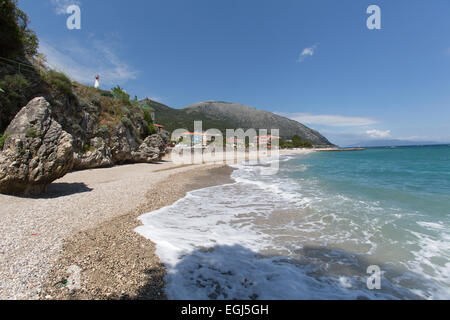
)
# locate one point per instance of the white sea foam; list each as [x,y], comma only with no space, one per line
[281,238]
[431,225]
[432,261]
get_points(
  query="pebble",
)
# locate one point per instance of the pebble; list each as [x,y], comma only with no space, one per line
[61,219]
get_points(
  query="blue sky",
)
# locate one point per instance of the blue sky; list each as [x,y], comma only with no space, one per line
[313,61]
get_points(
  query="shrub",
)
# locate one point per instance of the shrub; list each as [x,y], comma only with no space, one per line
[102,131]
[2,140]
[76,128]
[59,82]
[148,117]
[83,102]
[107,94]
[125,111]
[14,83]
[120,94]
[127,122]
[134,102]
[32,133]
[152,129]
[88,148]
[95,100]
[88,105]
[13,98]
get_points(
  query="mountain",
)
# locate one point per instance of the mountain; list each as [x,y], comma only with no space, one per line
[225,115]
[393,143]
[173,119]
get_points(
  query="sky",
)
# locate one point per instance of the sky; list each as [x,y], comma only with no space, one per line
[314,61]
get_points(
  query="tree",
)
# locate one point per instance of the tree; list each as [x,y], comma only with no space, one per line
[15,36]
[297,141]
[148,117]
[40,61]
[119,93]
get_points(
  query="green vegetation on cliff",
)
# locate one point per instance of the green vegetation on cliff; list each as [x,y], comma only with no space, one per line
[58,81]
[16,38]
[173,119]
[19,79]
[2,140]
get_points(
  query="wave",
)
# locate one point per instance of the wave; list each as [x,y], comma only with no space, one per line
[279,237]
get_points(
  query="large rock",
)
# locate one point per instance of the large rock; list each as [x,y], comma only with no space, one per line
[99,157]
[124,150]
[123,142]
[152,149]
[36,152]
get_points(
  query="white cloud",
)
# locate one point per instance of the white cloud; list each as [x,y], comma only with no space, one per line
[350,136]
[329,119]
[61,5]
[310,51]
[378,134]
[82,63]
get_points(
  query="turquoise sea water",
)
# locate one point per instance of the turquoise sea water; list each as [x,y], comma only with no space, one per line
[312,230]
[415,179]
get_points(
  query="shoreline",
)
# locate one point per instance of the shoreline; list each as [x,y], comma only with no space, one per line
[35,229]
[81,222]
[115,261]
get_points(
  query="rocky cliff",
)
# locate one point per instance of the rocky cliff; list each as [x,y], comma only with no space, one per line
[49,125]
[84,129]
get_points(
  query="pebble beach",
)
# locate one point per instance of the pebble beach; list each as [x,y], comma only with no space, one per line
[87,219]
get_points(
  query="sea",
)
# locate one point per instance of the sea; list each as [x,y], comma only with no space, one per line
[371,224]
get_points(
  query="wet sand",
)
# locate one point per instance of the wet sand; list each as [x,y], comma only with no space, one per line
[86,221]
[114,261]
